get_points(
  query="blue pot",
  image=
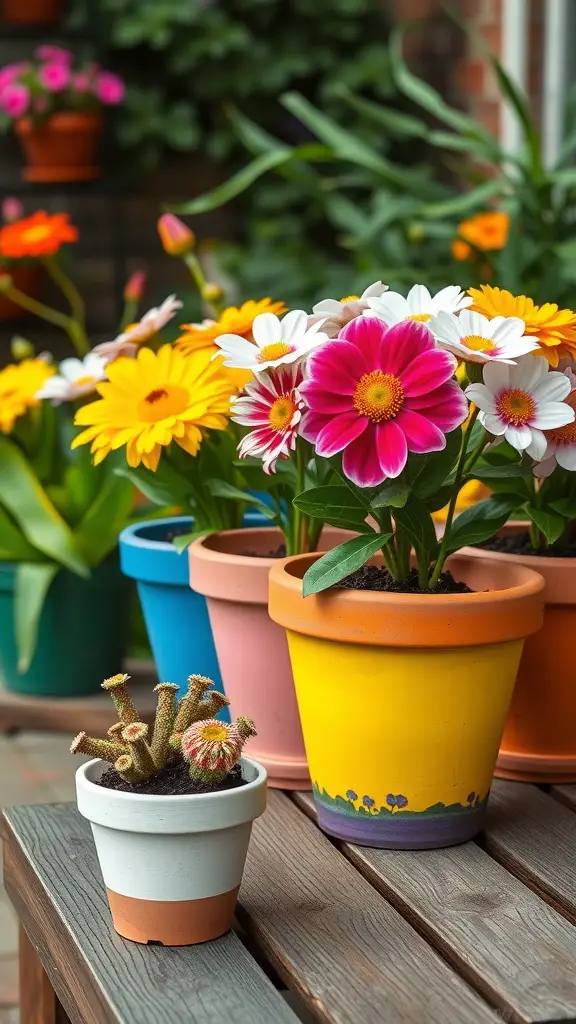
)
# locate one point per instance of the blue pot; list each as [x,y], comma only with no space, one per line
[176,617]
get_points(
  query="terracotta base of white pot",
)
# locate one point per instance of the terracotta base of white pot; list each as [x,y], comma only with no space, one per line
[61,174]
[535,768]
[172,923]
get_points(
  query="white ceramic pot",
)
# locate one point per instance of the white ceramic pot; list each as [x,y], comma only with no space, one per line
[172,865]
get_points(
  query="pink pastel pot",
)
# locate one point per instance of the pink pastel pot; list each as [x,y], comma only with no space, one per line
[252,650]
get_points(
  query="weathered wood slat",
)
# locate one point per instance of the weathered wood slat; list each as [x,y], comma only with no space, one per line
[565,794]
[98,977]
[331,936]
[507,942]
[534,836]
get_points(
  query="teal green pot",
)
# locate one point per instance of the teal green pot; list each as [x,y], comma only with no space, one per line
[81,635]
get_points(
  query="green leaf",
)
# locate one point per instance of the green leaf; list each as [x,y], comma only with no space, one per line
[221,489]
[427,473]
[235,185]
[33,582]
[565,506]
[482,521]
[551,524]
[393,121]
[13,544]
[519,103]
[464,203]
[184,540]
[335,565]
[416,522]
[97,533]
[394,493]
[28,503]
[165,487]
[334,500]
[503,472]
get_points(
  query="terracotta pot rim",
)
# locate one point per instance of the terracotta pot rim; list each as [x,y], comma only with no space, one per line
[559,574]
[61,121]
[493,615]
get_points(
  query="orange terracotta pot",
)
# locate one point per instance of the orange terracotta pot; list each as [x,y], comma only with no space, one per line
[31,12]
[539,741]
[403,698]
[65,148]
[252,650]
[26,279]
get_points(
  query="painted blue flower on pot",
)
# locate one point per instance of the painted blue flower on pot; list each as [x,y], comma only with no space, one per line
[351,796]
[470,799]
[368,803]
[395,801]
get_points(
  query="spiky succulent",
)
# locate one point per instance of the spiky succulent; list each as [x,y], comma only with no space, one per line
[128,747]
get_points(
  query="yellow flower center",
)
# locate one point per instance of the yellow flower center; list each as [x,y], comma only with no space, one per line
[349,298]
[275,351]
[478,344]
[516,406]
[36,234]
[419,318]
[379,396]
[214,733]
[163,402]
[281,412]
[566,434]
[82,381]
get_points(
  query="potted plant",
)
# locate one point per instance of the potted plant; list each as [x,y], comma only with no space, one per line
[404,652]
[171,813]
[535,466]
[55,104]
[31,12]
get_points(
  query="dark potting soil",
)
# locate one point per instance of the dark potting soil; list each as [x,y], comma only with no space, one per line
[519,544]
[174,780]
[375,577]
[279,552]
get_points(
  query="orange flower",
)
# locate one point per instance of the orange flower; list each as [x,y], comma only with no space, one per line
[42,234]
[485,232]
[233,320]
[555,328]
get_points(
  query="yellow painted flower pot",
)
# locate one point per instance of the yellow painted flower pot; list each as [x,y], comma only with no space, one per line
[403,698]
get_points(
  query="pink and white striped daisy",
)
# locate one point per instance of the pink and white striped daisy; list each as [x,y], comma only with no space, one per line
[377,393]
[272,405]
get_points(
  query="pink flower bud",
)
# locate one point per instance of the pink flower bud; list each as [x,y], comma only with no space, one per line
[110,88]
[55,77]
[14,100]
[177,239]
[11,210]
[135,285]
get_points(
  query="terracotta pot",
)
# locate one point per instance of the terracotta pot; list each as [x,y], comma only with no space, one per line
[403,698]
[65,148]
[31,12]
[26,279]
[251,649]
[172,865]
[539,741]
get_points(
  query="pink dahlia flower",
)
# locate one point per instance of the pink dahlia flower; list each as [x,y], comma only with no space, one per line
[14,100]
[377,393]
[272,405]
[55,77]
[54,54]
[8,74]
[110,89]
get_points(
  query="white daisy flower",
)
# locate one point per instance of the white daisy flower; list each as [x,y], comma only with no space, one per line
[335,314]
[418,305]
[520,402]
[126,344]
[276,342]
[561,448]
[476,339]
[76,377]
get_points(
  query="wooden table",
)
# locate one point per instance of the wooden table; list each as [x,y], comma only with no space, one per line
[474,934]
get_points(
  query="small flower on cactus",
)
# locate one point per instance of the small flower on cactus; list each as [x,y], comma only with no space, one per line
[213,748]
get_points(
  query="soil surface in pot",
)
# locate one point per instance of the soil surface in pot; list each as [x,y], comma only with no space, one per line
[174,780]
[279,552]
[375,577]
[519,544]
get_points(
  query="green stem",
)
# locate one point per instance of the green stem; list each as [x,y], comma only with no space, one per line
[443,552]
[195,268]
[75,301]
[129,314]
[388,550]
[53,316]
[298,519]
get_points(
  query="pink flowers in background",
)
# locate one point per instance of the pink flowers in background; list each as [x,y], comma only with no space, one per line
[110,88]
[53,82]
[11,210]
[376,394]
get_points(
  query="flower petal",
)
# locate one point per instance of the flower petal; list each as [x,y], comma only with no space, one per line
[552,414]
[427,372]
[538,445]
[419,299]
[497,376]
[528,371]
[403,344]
[494,424]
[366,334]
[446,406]
[336,366]
[392,308]
[361,463]
[322,399]
[481,396]
[566,456]
[340,432]
[518,437]
[294,326]
[392,448]
[552,388]
[329,307]
[266,330]
[422,435]
[311,424]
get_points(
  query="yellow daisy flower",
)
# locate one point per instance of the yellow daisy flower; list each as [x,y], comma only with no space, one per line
[19,384]
[233,320]
[555,328]
[154,399]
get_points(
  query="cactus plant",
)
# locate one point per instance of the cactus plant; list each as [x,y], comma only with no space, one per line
[183,730]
